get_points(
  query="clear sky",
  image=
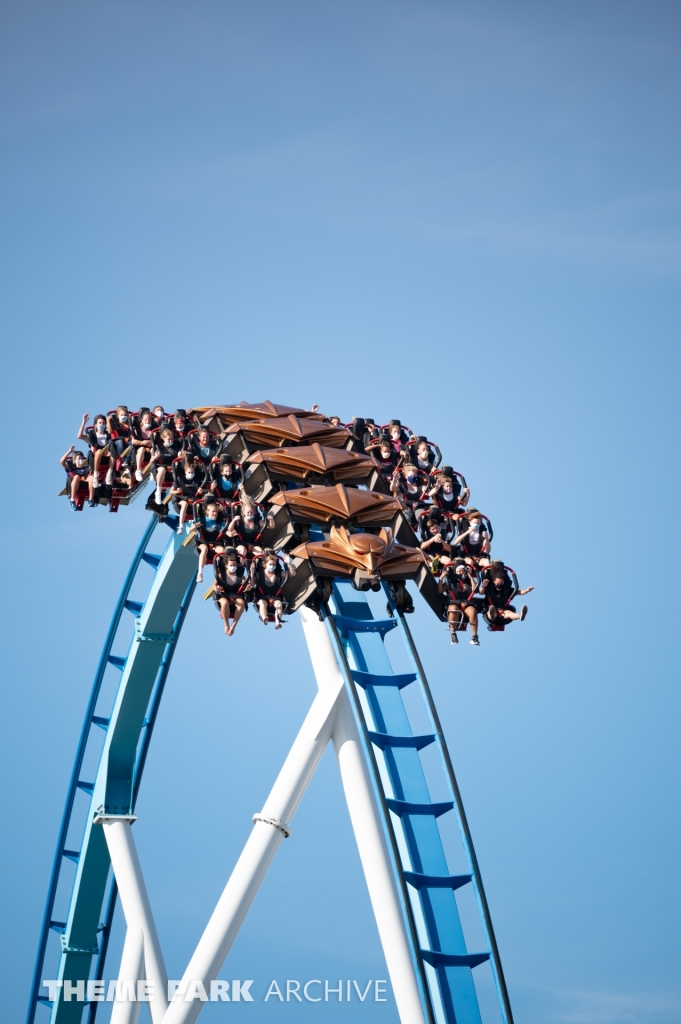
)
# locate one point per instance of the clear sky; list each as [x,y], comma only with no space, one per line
[462,214]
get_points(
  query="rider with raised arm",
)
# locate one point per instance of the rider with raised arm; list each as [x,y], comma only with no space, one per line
[97,437]
[189,481]
[269,577]
[460,583]
[385,455]
[499,590]
[232,584]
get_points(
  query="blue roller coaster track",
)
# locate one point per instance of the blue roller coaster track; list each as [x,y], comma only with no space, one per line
[443,964]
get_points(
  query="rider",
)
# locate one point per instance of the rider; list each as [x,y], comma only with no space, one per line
[189,480]
[181,423]
[98,438]
[385,455]
[204,445]
[232,583]
[399,435]
[167,448]
[247,527]
[423,454]
[227,478]
[159,416]
[435,546]
[77,471]
[211,524]
[269,577]
[474,542]
[120,446]
[410,485]
[142,440]
[461,585]
[447,491]
[499,590]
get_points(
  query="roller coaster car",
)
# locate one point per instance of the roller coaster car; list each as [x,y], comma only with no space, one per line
[104,495]
[363,557]
[349,504]
[266,470]
[281,430]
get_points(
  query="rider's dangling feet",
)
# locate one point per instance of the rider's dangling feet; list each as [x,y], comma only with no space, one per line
[92,504]
[74,507]
[454,638]
[523,613]
[475,641]
[199,577]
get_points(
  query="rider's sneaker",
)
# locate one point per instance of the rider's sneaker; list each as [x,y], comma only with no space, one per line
[139,475]
[92,504]
[180,529]
[523,613]
[109,477]
[96,482]
[475,641]
[74,507]
[454,638]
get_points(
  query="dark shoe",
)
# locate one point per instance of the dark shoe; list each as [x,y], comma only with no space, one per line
[74,507]
[92,504]
[523,613]
[454,638]
[475,641]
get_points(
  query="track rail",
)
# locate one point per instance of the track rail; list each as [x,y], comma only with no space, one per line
[440,954]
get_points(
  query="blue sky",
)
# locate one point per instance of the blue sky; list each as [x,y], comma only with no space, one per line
[465,215]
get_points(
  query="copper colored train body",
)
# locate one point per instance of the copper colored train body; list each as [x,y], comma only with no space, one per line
[281,430]
[326,504]
[362,556]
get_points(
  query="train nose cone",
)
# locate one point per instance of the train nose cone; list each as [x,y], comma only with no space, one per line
[367,544]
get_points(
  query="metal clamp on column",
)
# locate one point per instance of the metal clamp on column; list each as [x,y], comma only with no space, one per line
[281,825]
[103,819]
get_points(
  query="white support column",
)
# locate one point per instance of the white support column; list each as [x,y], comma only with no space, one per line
[367,824]
[271,826]
[135,902]
[132,969]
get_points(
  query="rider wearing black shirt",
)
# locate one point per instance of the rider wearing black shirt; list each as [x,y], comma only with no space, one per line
[269,577]
[499,589]
[459,583]
[189,481]
[232,584]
